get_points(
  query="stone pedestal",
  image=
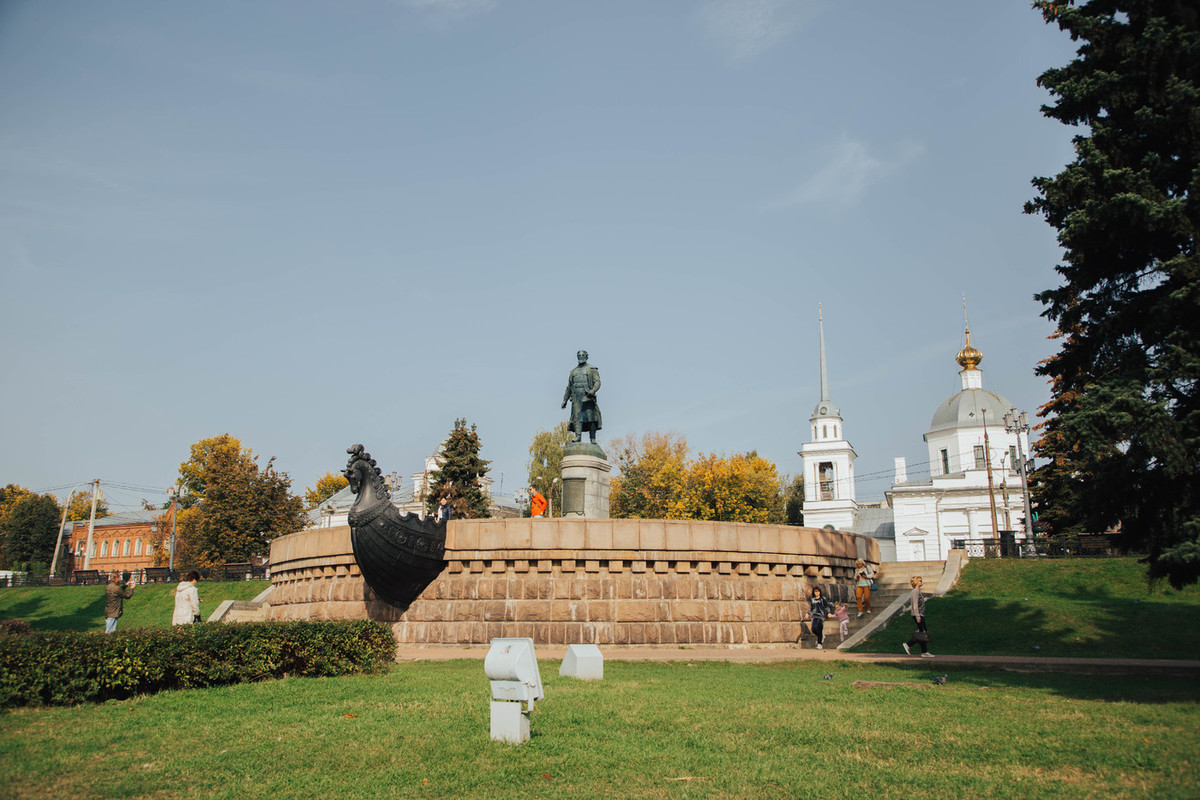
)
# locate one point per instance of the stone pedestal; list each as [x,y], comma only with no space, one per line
[585,471]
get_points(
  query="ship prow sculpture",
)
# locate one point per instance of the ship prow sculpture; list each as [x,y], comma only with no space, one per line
[398,554]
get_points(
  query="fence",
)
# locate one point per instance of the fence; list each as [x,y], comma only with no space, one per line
[88,577]
[1087,546]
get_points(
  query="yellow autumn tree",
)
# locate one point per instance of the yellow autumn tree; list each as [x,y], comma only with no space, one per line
[650,474]
[231,508]
[740,488]
[327,486]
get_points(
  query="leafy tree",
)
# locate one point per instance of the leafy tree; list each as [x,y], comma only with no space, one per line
[10,495]
[232,509]
[327,486]
[1123,429]
[545,459]
[741,488]
[458,476]
[29,525]
[79,507]
[793,501]
[650,476]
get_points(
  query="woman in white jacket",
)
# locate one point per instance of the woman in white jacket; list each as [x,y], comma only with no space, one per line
[187,600]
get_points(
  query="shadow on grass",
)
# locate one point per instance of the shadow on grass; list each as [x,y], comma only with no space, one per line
[42,617]
[1145,689]
[1078,626]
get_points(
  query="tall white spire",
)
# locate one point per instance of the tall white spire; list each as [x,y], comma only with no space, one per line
[825,406]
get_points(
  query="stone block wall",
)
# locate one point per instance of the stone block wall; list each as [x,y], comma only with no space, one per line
[573,581]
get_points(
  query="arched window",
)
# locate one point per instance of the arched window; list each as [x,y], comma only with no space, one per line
[93,555]
[79,549]
[824,431]
[104,549]
[128,544]
[137,547]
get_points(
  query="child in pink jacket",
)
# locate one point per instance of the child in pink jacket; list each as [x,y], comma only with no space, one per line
[843,617]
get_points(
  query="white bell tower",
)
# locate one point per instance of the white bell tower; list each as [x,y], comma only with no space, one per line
[828,460]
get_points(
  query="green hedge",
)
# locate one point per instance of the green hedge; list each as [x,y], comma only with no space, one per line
[67,667]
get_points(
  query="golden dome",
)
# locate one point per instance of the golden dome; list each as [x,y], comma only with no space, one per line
[969,357]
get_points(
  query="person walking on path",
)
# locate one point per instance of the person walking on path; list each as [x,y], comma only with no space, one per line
[862,587]
[818,610]
[187,601]
[921,634]
[537,503]
[115,595]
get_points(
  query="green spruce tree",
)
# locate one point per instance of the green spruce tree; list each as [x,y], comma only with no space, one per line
[458,477]
[1123,427]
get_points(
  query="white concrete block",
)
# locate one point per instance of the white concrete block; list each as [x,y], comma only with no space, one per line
[509,723]
[583,661]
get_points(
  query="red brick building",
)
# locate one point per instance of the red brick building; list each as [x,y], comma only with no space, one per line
[124,541]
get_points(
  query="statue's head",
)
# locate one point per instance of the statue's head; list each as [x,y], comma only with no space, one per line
[582,355]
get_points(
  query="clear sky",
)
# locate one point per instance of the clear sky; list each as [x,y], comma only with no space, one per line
[310,224]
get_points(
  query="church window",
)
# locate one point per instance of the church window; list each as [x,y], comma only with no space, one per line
[93,555]
[137,547]
[1012,457]
[128,544]
[824,431]
[825,480]
[980,460]
[945,462]
[103,549]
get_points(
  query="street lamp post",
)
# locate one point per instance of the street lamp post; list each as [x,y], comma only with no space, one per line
[1018,423]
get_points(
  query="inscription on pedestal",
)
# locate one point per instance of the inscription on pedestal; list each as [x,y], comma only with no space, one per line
[573,494]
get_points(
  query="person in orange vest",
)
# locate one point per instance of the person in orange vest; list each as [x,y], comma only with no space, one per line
[537,503]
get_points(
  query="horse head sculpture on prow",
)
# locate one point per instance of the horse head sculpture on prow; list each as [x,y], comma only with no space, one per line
[366,482]
[397,554]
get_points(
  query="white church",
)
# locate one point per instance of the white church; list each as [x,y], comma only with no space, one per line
[975,489]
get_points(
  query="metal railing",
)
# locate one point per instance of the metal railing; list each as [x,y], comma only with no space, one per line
[1085,546]
[91,577]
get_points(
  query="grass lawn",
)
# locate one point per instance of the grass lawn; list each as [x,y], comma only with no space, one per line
[1088,608]
[81,608]
[656,730]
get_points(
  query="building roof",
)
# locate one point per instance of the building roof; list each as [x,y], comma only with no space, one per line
[125,518]
[875,522]
[965,410]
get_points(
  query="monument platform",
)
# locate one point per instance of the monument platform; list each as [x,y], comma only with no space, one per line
[585,581]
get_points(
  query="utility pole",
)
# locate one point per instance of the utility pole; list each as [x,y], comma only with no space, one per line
[174,527]
[87,551]
[63,524]
[1018,423]
[987,455]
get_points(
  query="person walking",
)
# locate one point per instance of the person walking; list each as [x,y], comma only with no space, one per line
[843,617]
[862,587]
[818,610]
[187,600]
[537,503]
[115,595]
[921,634]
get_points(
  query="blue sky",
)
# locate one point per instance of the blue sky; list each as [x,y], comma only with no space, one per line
[312,224]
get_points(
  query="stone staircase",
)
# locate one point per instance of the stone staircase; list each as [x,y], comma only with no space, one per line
[891,599]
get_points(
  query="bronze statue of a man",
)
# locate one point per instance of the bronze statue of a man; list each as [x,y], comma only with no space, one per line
[582,385]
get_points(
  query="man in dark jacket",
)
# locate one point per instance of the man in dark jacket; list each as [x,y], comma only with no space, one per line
[115,595]
[582,385]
